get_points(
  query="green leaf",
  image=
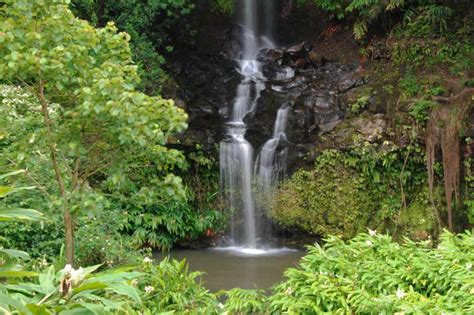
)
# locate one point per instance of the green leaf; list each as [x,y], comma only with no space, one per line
[17,274]
[8,301]
[91,286]
[127,290]
[6,190]
[10,214]
[11,174]
[13,253]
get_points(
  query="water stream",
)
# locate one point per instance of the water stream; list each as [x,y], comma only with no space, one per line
[236,153]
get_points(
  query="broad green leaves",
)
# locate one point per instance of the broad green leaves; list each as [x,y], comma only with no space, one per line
[90,293]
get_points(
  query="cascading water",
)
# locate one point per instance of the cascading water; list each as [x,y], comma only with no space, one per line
[236,153]
[270,162]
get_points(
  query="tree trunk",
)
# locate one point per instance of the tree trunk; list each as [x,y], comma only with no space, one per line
[101,13]
[68,219]
[69,237]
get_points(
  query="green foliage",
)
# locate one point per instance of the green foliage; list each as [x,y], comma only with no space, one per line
[331,199]
[419,91]
[372,274]
[99,241]
[170,287]
[8,213]
[346,192]
[9,267]
[108,140]
[71,291]
[364,13]
[335,7]
[240,301]
[161,225]
[360,104]
[226,6]
[469,179]
[420,110]
[151,25]
[430,37]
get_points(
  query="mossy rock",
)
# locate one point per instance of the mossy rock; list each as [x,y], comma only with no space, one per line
[329,200]
[418,220]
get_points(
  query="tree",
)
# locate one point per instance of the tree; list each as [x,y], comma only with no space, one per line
[93,119]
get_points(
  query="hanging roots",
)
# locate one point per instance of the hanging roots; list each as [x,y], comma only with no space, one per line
[443,131]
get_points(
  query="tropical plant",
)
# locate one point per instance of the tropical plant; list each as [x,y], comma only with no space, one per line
[162,225]
[9,257]
[170,287]
[364,13]
[78,291]
[240,301]
[372,274]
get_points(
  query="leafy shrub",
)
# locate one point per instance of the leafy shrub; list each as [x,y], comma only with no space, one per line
[162,225]
[348,191]
[40,239]
[240,301]
[99,241]
[170,287]
[371,274]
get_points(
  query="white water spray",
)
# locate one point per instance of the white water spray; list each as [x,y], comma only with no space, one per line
[236,153]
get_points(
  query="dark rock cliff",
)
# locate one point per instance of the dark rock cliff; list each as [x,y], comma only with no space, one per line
[312,79]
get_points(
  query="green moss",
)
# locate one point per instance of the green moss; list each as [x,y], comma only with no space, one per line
[417,221]
[331,199]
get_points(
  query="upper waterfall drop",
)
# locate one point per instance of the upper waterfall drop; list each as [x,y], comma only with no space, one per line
[236,153]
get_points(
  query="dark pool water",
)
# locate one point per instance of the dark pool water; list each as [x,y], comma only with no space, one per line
[232,267]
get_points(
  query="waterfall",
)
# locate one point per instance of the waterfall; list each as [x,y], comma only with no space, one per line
[270,162]
[236,153]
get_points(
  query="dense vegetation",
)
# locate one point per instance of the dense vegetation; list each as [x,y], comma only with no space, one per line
[420,75]
[89,176]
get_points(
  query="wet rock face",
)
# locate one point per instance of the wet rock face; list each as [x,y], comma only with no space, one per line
[316,91]
[314,88]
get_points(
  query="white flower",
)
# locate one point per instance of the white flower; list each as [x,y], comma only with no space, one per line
[220,305]
[369,243]
[149,289]
[469,266]
[289,291]
[147,260]
[400,294]
[372,232]
[67,268]
[44,262]
[77,275]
